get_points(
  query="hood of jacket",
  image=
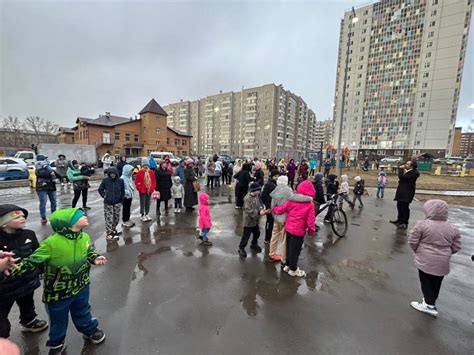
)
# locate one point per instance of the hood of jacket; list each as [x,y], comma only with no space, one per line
[112,170]
[127,170]
[344,178]
[306,188]
[281,193]
[5,208]
[203,198]
[61,222]
[318,177]
[436,210]
[177,180]
[332,177]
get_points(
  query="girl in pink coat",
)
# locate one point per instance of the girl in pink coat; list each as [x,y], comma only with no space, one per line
[204,221]
[299,221]
[433,240]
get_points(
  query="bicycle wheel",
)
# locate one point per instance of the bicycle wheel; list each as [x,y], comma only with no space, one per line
[339,222]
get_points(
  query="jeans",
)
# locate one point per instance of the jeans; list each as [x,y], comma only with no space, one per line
[359,198]
[81,316]
[204,233]
[380,191]
[26,304]
[293,250]
[430,286]
[144,204]
[246,236]
[178,203]
[43,198]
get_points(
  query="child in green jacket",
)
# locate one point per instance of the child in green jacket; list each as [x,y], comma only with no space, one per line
[66,256]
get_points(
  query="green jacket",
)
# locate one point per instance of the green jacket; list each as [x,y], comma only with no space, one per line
[66,257]
[74,174]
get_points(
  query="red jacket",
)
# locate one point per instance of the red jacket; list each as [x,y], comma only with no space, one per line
[300,215]
[140,182]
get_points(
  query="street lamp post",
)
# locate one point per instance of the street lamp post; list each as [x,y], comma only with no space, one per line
[346,70]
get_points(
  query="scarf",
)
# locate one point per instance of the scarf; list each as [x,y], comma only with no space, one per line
[147,180]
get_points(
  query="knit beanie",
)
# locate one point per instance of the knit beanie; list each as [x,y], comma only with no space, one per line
[75,217]
[145,161]
[11,212]
[282,180]
[254,187]
[41,157]
[274,172]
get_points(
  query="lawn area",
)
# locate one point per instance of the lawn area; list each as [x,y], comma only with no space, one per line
[426,180]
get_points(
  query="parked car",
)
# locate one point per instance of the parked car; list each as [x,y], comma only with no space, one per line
[439,161]
[13,169]
[158,156]
[391,160]
[454,160]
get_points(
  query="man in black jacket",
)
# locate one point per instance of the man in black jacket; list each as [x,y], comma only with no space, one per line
[267,201]
[22,242]
[407,176]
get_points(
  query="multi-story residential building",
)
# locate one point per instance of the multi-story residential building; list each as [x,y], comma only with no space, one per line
[403,77]
[265,121]
[132,136]
[467,145]
[324,133]
[457,141]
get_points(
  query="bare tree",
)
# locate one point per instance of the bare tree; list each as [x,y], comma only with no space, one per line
[50,127]
[15,126]
[35,124]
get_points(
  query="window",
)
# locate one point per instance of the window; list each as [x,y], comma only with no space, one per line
[127,137]
[435,2]
[157,143]
[135,137]
[423,94]
[425,75]
[428,55]
[183,142]
[429,44]
[431,34]
[117,136]
[434,12]
[167,141]
[157,131]
[424,85]
[422,104]
[421,114]
[419,124]
[432,23]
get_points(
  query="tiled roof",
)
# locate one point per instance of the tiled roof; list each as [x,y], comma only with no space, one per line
[154,107]
[180,133]
[66,129]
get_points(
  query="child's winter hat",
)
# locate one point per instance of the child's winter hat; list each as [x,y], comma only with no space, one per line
[41,157]
[10,212]
[176,179]
[357,178]
[76,217]
[282,180]
[254,187]
[382,173]
[274,172]
[145,161]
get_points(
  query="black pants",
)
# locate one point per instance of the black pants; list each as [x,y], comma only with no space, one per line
[241,192]
[178,202]
[210,181]
[269,227]
[403,212]
[127,203]
[430,286]
[77,194]
[293,250]
[158,205]
[329,213]
[26,305]
[224,178]
[291,181]
[246,236]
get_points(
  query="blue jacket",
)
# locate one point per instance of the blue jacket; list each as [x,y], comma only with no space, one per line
[128,180]
[112,189]
[180,172]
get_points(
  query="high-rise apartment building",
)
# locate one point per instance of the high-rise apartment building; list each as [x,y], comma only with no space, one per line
[324,131]
[466,148]
[404,73]
[265,122]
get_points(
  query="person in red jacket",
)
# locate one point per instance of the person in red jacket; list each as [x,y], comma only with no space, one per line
[204,222]
[299,221]
[145,183]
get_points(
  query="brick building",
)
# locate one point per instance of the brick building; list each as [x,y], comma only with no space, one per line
[466,148]
[65,135]
[133,136]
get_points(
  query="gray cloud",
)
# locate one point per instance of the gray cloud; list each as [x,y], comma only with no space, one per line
[64,59]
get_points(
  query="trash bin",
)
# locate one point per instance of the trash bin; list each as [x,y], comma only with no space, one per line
[425,166]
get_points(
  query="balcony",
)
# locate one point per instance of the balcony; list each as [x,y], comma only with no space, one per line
[104,141]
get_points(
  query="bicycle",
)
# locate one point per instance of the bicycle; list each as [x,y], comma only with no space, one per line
[338,216]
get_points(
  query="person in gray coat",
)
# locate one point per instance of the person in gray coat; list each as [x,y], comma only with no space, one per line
[433,240]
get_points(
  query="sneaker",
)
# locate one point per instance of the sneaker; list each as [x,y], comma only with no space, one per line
[207,243]
[111,238]
[285,268]
[297,273]
[275,258]
[424,307]
[361,206]
[130,224]
[256,248]
[402,226]
[44,221]
[143,218]
[199,237]
[147,218]
[57,350]
[395,222]
[242,253]
[35,326]
[96,338]
[327,221]
[179,210]
[125,225]
[86,208]
[117,232]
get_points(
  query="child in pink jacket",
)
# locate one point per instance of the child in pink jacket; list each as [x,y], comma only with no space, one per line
[299,221]
[433,240]
[204,222]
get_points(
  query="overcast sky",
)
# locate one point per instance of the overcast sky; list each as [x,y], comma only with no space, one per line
[63,59]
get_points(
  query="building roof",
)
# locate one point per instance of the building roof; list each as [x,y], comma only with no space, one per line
[153,107]
[179,133]
[105,120]
[66,130]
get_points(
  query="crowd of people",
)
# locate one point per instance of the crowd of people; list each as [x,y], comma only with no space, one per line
[289,198]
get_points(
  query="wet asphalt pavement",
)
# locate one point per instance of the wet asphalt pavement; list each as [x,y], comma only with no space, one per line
[164,293]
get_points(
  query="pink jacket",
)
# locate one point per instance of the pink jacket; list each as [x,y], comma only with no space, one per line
[300,215]
[434,240]
[204,212]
